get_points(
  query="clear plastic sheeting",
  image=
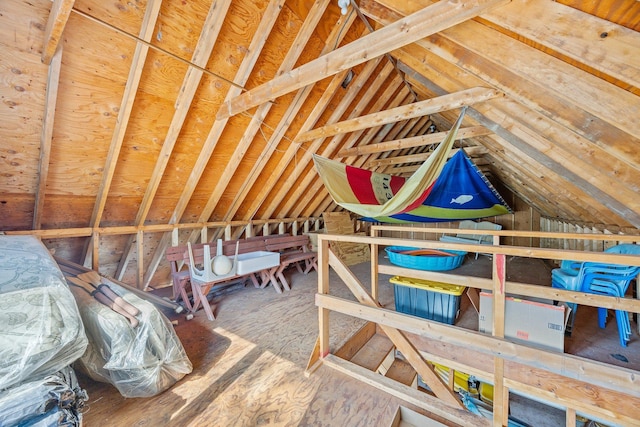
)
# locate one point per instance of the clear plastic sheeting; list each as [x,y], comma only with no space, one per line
[141,361]
[53,400]
[40,328]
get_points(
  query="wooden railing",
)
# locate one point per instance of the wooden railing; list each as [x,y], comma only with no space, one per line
[605,392]
[207,231]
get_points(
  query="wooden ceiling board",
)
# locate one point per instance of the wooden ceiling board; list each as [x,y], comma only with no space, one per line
[179,26]
[23,25]
[623,12]
[124,14]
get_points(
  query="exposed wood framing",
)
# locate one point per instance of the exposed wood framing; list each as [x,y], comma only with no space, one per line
[242,75]
[397,337]
[58,17]
[416,141]
[421,108]
[333,40]
[411,158]
[579,384]
[543,94]
[124,113]
[208,37]
[427,21]
[51,97]
[258,116]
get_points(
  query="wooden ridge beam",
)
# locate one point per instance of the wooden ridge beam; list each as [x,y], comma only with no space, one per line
[416,141]
[429,20]
[421,108]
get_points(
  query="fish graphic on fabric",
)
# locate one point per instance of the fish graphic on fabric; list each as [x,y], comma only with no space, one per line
[462,199]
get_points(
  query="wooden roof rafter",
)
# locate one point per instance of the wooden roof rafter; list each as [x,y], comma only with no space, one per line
[242,75]
[58,17]
[133,81]
[335,37]
[208,36]
[302,38]
[422,23]
[51,96]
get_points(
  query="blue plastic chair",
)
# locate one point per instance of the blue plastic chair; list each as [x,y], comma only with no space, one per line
[602,279]
[612,281]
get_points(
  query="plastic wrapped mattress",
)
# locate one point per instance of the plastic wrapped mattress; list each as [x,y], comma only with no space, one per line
[41,331]
[139,361]
[53,400]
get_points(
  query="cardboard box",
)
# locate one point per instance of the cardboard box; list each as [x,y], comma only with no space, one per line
[529,322]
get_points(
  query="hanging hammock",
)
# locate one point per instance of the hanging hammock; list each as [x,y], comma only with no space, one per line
[371,194]
[457,190]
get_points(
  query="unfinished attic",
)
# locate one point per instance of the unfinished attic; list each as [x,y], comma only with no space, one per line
[331,212]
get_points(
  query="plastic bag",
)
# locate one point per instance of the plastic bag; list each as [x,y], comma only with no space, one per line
[53,400]
[141,361]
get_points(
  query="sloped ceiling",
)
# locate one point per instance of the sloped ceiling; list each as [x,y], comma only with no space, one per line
[126,113]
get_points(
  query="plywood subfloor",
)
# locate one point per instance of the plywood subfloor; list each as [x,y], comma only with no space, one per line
[249,370]
[249,363]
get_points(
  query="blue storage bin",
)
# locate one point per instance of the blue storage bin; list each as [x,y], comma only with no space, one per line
[427,299]
[431,263]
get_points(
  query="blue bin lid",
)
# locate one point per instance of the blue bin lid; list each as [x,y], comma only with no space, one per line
[429,285]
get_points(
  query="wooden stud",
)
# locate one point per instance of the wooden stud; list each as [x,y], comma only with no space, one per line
[53,80]
[140,263]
